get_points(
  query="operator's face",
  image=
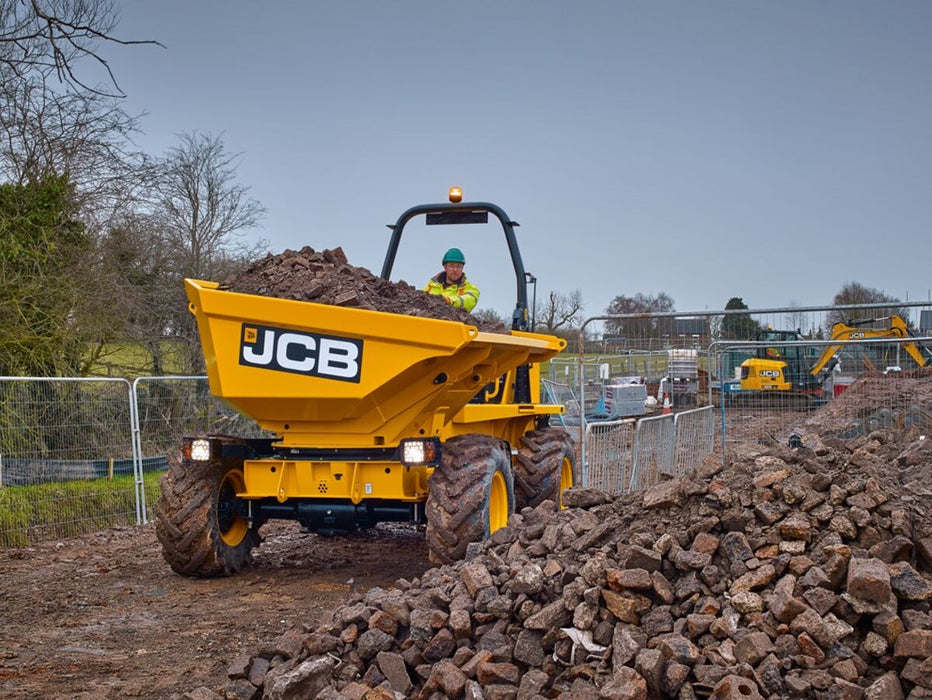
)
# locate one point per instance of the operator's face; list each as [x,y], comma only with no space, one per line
[454,271]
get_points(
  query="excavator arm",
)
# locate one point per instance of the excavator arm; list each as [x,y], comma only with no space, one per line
[852,330]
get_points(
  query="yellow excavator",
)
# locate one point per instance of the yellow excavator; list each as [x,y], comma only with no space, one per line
[797,373]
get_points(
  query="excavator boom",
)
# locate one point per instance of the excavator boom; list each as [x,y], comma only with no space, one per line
[896,328]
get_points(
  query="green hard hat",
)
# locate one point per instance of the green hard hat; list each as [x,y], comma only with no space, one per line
[454,255]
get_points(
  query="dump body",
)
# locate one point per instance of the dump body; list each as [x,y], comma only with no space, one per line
[322,376]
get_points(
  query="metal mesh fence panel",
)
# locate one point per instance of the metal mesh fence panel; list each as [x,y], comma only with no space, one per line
[561,393]
[168,408]
[855,398]
[653,451]
[859,362]
[693,439]
[66,458]
[608,455]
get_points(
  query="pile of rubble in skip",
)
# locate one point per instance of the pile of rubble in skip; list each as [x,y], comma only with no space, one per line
[325,277]
[785,572]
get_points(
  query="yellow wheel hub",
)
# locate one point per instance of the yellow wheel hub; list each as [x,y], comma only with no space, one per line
[498,503]
[566,478]
[233,527]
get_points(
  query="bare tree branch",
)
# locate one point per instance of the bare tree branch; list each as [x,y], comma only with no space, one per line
[561,312]
[205,212]
[50,37]
[86,135]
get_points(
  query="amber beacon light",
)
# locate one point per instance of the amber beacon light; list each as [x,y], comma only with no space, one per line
[456,195]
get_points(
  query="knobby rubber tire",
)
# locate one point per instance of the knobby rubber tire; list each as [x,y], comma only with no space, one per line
[198,536]
[462,493]
[539,466]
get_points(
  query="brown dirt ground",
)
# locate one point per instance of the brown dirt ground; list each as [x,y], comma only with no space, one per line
[103,616]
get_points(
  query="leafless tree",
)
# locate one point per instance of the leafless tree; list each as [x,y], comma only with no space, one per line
[798,320]
[135,282]
[561,314]
[86,135]
[488,317]
[853,293]
[637,329]
[202,216]
[205,212]
[49,38]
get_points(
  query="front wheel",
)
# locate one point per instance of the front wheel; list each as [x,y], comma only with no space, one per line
[470,496]
[544,467]
[201,523]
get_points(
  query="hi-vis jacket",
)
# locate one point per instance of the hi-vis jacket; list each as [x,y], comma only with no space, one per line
[462,295]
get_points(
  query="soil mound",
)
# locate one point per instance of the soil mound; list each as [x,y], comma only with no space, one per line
[877,400]
[327,278]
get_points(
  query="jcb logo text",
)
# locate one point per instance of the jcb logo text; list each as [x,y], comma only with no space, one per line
[302,353]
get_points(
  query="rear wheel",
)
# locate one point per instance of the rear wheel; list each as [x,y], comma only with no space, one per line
[470,496]
[200,522]
[545,467]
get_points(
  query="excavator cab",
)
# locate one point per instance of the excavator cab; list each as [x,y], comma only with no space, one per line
[781,367]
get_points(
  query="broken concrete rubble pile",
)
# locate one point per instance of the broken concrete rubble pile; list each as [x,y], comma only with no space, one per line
[326,277]
[785,573]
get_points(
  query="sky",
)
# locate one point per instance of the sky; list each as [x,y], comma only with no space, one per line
[772,151]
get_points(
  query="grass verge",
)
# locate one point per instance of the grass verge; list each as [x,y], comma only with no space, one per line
[31,514]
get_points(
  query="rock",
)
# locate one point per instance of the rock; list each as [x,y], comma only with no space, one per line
[868,580]
[734,687]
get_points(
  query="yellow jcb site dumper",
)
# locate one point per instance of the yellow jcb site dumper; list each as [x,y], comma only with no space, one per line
[377,417]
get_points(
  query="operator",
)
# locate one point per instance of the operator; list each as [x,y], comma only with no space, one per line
[452,284]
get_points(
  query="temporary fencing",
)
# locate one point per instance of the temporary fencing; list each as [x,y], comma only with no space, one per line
[653,451]
[634,454]
[857,398]
[610,451]
[875,380]
[693,438]
[78,455]
[53,431]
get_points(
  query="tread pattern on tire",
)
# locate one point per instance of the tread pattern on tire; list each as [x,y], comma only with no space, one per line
[458,495]
[538,466]
[187,523]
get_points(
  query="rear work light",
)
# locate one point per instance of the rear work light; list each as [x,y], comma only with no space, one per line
[418,452]
[196,449]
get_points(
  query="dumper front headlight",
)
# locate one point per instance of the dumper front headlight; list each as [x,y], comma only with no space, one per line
[418,452]
[196,449]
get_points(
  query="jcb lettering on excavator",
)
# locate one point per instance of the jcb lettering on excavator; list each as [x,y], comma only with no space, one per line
[302,353]
[770,373]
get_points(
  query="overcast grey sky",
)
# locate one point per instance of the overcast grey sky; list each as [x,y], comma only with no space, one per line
[772,151]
